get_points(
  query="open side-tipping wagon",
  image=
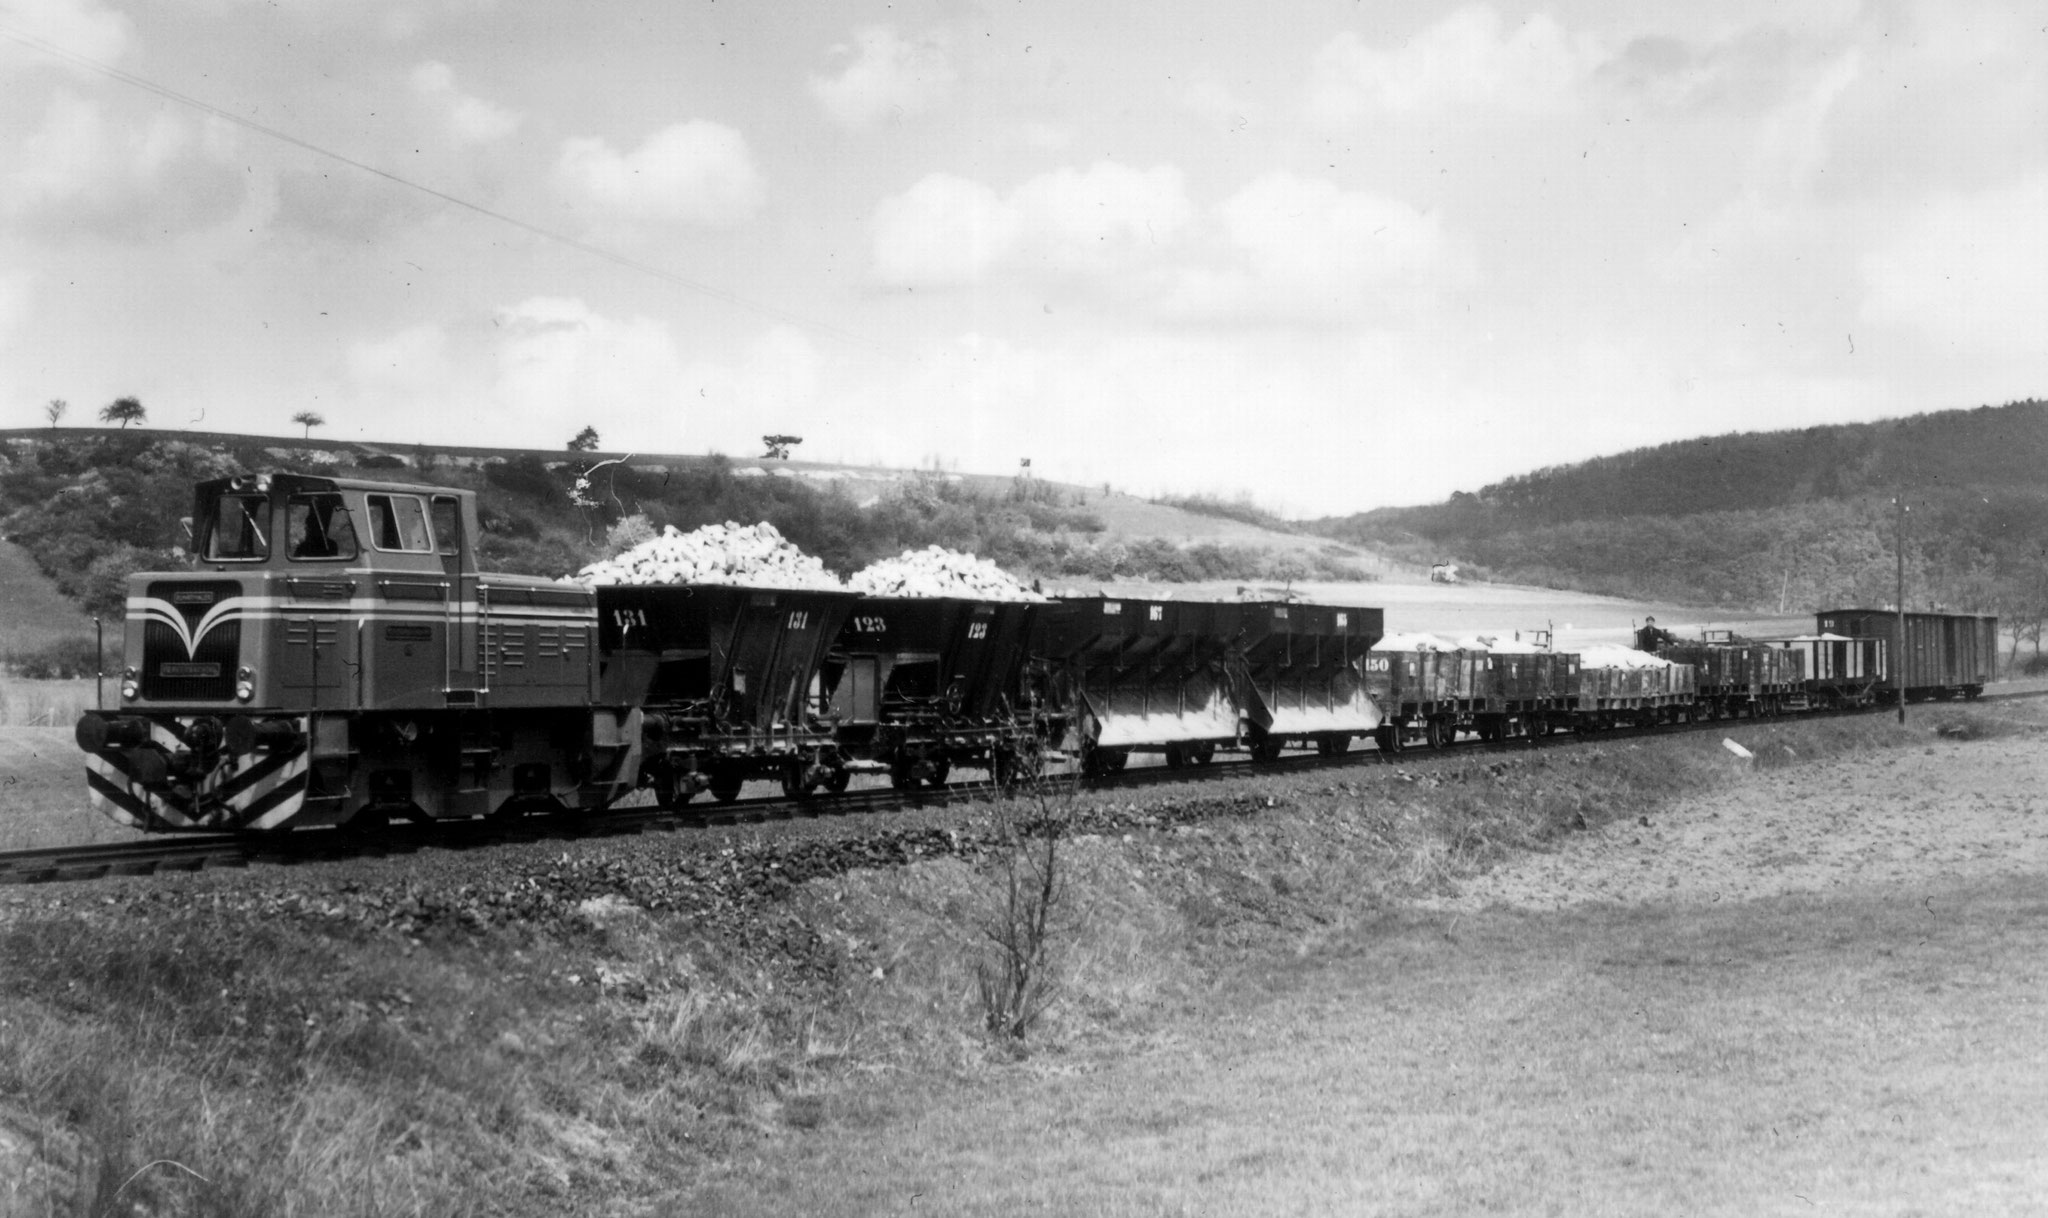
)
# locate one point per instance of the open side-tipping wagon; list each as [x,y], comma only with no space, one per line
[1739,678]
[1623,695]
[728,677]
[1140,676]
[920,684]
[1526,692]
[1300,674]
[1431,693]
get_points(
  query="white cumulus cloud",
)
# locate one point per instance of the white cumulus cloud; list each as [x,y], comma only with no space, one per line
[82,27]
[696,172]
[1303,249]
[469,118]
[1966,270]
[1469,61]
[944,231]
[1076,223]
[557,354]
[886,77]
[87,168]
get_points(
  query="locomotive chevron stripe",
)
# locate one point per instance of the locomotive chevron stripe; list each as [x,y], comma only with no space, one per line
[264,791]
[114,796]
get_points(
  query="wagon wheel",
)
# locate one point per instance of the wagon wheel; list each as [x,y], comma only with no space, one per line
[726,781]
[793,784]
[1440,734]
[1201,754]
[1334,746]
[1388,738]
[838,782]
[940,768]
[670,792]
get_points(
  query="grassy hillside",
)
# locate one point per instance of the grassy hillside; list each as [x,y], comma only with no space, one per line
[1763,520]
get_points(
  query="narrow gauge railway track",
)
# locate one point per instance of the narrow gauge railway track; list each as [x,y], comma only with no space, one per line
[150,856]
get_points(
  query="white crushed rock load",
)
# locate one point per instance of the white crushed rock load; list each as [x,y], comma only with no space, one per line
[754,555]
[1413,642]
[1608,655]
[937,571]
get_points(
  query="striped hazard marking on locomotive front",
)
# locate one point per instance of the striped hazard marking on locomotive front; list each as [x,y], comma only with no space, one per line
[259,790]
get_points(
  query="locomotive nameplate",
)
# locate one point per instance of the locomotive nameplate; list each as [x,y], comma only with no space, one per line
[326,590]
[192,596]
[408,634]
[187,668]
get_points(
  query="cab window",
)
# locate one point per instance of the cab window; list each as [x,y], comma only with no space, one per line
[319,527]
[240,530]
[399,522]
[447,529]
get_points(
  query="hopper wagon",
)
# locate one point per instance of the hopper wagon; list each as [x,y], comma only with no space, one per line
[1299,673]
[727,682]
[1146,676]
[916,685]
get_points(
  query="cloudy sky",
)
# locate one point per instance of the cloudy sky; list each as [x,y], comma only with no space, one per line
[1335,254]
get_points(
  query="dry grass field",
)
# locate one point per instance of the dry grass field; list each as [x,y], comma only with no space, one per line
[42,774]
[1819,990]
[1810,983]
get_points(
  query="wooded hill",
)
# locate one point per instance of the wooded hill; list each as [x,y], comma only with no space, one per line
[1756,520]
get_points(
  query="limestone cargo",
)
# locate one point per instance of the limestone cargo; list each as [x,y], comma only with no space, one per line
[937,571]
[754,555]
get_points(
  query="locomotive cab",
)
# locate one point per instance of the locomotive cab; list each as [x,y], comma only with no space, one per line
[334,651]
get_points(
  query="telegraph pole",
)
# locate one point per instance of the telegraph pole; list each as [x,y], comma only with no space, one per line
[1898,662]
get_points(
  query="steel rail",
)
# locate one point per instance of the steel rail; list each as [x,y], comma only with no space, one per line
[186,853]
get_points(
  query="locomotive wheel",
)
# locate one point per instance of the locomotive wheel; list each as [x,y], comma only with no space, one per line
[943,767]
[726,782]
[668,793]
[838,782]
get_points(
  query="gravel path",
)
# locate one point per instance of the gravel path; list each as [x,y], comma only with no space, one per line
[1952,810]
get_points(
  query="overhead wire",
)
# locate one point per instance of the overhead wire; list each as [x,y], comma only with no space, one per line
[584,247]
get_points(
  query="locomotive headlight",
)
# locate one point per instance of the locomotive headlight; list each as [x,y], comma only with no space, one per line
[129,686]
[245,684]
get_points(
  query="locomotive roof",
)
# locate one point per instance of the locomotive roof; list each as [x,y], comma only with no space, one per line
[294,483]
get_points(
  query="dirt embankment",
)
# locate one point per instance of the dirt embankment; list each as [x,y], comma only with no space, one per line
[1900,817]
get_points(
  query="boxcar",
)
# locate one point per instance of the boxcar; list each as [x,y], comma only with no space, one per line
[1944,654]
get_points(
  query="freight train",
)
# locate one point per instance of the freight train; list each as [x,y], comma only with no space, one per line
[336,657]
